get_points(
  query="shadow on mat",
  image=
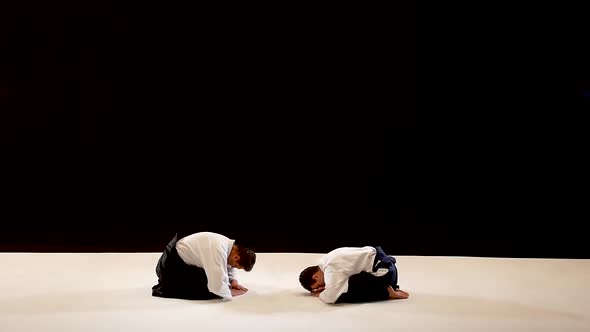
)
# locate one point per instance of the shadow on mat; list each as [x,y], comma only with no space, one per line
[89,301]
[481,307]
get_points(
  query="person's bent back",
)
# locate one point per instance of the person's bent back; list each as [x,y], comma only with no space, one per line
[202,266]
[352,274]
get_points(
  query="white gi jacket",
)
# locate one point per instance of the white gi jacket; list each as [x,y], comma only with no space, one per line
[339,264]
[210,251]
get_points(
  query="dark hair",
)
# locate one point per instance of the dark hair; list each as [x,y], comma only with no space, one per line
[247,257]
[306,277]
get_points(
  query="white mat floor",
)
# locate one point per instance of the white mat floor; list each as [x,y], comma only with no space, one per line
[112,292]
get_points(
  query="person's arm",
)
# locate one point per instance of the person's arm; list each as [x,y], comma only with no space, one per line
[215,266]
[336,284]
[231,273]
[234,284]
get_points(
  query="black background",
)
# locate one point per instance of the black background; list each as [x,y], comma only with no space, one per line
[118,131]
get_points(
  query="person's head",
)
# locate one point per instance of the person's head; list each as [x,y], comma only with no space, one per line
[311,278]
[241,258]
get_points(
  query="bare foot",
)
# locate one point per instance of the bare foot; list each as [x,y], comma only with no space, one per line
[406,294]
[397,294]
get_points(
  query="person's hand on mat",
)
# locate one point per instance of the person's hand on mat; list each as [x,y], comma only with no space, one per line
[235,285]
[316,292]
[237,292]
